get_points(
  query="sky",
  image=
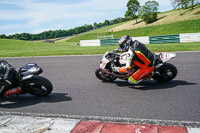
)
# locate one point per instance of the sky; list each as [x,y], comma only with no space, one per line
[36,16]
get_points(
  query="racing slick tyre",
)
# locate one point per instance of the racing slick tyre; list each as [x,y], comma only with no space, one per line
[165,73]
[38,86]
[104,76]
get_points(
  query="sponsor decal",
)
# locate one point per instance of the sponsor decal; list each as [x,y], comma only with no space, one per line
[102,65]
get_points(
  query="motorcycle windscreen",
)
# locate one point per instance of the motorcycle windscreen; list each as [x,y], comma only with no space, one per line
[167,56]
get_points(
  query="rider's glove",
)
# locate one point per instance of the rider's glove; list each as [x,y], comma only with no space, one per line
[123,70]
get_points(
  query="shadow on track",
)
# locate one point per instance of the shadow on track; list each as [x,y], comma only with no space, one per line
[29,100]
[153,85]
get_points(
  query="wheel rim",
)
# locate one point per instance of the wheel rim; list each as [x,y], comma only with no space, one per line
[106,76]
[37,89]
[166,74]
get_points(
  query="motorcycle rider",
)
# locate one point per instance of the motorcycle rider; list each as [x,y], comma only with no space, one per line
[138,54]
[7,74]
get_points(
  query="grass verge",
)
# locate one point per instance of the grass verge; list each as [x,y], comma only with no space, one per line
[18,48]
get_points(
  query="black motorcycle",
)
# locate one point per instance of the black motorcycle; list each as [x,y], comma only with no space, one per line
[27,78]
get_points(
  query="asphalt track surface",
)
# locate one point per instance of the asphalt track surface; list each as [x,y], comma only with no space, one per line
[78,92]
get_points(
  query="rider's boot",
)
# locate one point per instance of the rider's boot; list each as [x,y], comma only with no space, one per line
[136,82]
[12,91]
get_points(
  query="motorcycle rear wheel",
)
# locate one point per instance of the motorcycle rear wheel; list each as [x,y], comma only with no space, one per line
[104,76]
[165,73]
[38,86]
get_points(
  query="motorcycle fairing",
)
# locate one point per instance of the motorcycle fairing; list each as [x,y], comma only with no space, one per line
[103,65]
[105,60]
[30,69]
[167,56]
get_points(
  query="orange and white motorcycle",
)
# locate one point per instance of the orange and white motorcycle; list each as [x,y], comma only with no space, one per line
[162,72]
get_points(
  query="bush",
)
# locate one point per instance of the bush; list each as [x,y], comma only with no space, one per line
[149,17]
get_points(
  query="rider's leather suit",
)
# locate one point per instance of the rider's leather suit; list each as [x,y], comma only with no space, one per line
[141,57]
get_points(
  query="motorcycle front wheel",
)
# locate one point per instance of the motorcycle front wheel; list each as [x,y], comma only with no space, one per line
[104,76]
[38,86]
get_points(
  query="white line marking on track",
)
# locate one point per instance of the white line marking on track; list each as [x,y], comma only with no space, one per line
[193,130]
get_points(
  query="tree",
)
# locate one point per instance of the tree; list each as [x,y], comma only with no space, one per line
[182,4]
[185,3]
[3,36]
[149,11]
[129,15]
[60,33]
[133,7]
[95,25]
[25,36]
[176,4]
[192,3]
[106,22]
